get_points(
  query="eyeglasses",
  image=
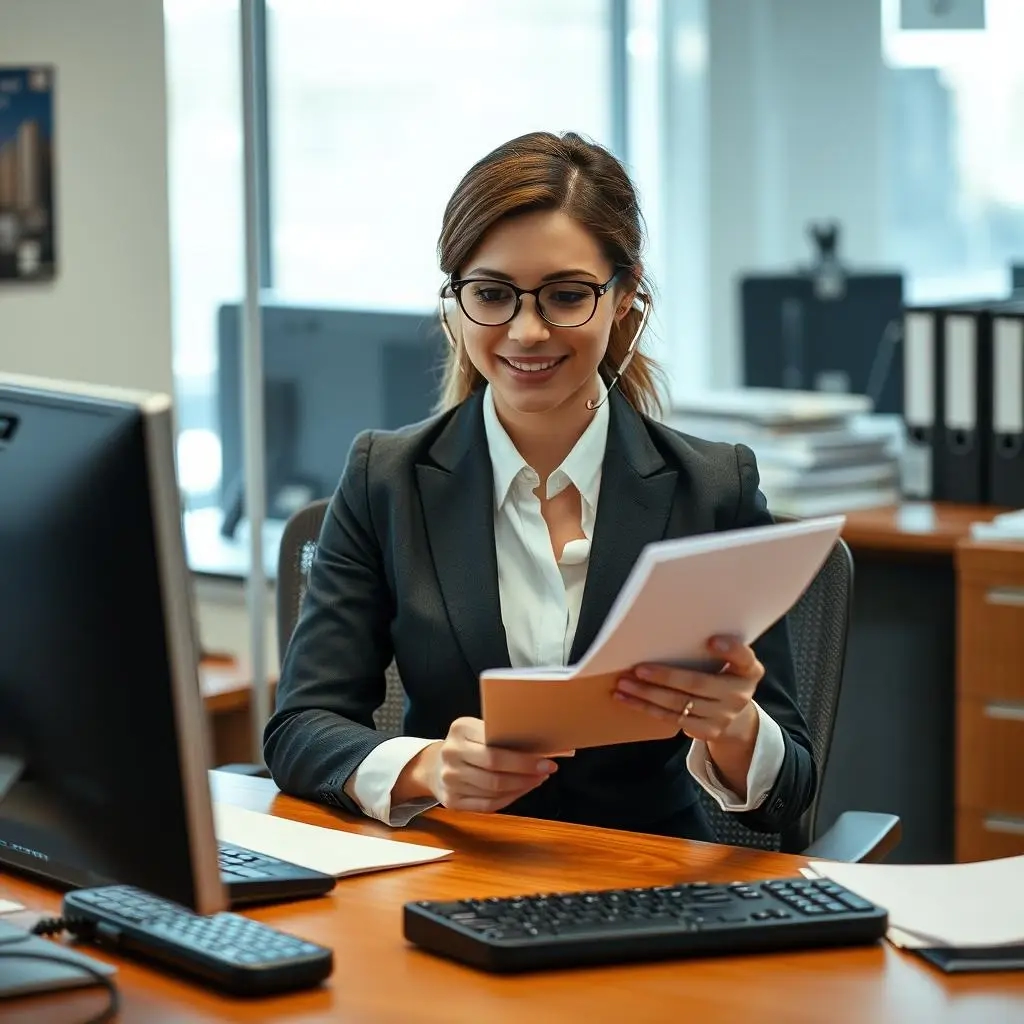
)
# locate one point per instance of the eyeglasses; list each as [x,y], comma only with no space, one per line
[561,303]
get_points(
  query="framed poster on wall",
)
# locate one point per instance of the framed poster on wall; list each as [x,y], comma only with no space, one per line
[27,228]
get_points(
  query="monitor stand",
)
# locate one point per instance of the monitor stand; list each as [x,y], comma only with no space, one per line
[28,963]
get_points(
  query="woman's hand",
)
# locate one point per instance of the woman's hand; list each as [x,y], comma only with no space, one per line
[463,773]
[714,707]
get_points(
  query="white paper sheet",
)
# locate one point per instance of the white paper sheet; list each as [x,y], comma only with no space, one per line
[679,594]
[959,905]
[329,850]
[9,907]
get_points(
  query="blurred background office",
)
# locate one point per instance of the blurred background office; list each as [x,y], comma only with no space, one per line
[743,121]
[807,168]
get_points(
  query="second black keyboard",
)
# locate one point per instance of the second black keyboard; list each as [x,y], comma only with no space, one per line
[251,877]
[568,929]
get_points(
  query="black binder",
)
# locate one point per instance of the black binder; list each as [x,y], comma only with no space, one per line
[987,958]
[1006,442]
[963,386]
[920,390]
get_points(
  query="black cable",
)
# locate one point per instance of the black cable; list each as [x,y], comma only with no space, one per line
[55,925]
[114,996]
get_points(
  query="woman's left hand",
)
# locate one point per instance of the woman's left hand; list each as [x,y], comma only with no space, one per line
[708,706]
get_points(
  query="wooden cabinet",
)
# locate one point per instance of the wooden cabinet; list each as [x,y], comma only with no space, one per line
[990,701]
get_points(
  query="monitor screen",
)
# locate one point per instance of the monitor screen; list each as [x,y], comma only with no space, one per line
[329,373]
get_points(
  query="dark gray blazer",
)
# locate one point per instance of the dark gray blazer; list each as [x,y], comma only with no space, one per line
[406,568]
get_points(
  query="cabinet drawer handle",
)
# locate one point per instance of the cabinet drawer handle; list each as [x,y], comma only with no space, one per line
[1003,823]
[1013,596]
[1005,711]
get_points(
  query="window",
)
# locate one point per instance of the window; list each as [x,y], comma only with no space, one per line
[206,218]
[375,111]
[956,153]
[378,109]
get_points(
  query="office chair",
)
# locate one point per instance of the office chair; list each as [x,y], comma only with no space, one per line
[298,546]
[819,624]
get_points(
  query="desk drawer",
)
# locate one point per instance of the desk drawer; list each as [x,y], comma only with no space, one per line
[990,755]
[991,639]
[981,836]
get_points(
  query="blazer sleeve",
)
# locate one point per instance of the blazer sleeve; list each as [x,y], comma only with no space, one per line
[797,780]
[332,675]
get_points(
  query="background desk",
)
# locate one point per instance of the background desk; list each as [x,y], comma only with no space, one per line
[896,733]
[378,978]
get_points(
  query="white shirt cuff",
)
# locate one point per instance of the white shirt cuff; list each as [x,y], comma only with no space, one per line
[371,783]
[769,753]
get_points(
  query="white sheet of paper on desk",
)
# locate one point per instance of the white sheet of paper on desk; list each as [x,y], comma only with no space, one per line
[959,905]
[9,907]
[329,850]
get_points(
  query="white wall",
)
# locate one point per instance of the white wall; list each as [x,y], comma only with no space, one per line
[107,317]
[795,133]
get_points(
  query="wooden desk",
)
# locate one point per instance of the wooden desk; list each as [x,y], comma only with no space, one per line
[896,733]
[227,696]
[990,700]
[378,978]
[913,529]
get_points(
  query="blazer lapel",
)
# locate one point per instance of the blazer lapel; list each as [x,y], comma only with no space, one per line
[456,487]
[632,511]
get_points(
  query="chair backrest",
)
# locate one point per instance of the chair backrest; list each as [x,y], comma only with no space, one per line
[818,626]
[818,623]
[298,546]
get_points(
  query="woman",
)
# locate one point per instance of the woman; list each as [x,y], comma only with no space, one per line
[499,532]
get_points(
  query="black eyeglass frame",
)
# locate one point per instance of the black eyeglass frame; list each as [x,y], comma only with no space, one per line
[598,289]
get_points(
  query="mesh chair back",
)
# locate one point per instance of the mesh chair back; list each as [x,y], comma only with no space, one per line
[298,547]
[818,625]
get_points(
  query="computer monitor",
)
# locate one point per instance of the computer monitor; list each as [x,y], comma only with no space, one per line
[329,373]
[797,336]
[102,729]
[1017,277]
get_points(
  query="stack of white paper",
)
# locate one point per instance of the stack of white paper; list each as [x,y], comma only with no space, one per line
[329,850]
[954,905]
[680,594]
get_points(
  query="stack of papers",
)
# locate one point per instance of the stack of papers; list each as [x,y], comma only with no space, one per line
[680,594]
[818,453]
[958,906]
[1007,526]
[328,850]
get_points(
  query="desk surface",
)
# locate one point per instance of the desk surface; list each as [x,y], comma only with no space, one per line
[921,528]
[379,978]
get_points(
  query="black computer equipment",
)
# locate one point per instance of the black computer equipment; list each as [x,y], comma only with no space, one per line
[232,953]
[574,929]
[328,374]
[103,737]
[1017,278]
[825,327]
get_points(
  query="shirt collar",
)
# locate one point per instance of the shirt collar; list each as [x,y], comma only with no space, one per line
[582,465]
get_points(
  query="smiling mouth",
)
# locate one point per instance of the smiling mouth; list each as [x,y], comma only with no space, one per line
[532,365]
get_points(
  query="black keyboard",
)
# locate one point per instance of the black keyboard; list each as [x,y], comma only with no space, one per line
[568,929]
[251,877]
[226,951]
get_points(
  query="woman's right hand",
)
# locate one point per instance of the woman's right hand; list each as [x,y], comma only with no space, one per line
[463,773]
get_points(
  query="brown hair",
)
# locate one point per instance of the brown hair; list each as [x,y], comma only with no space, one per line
[542,171]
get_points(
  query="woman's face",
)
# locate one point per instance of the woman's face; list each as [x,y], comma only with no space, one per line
[533,366]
